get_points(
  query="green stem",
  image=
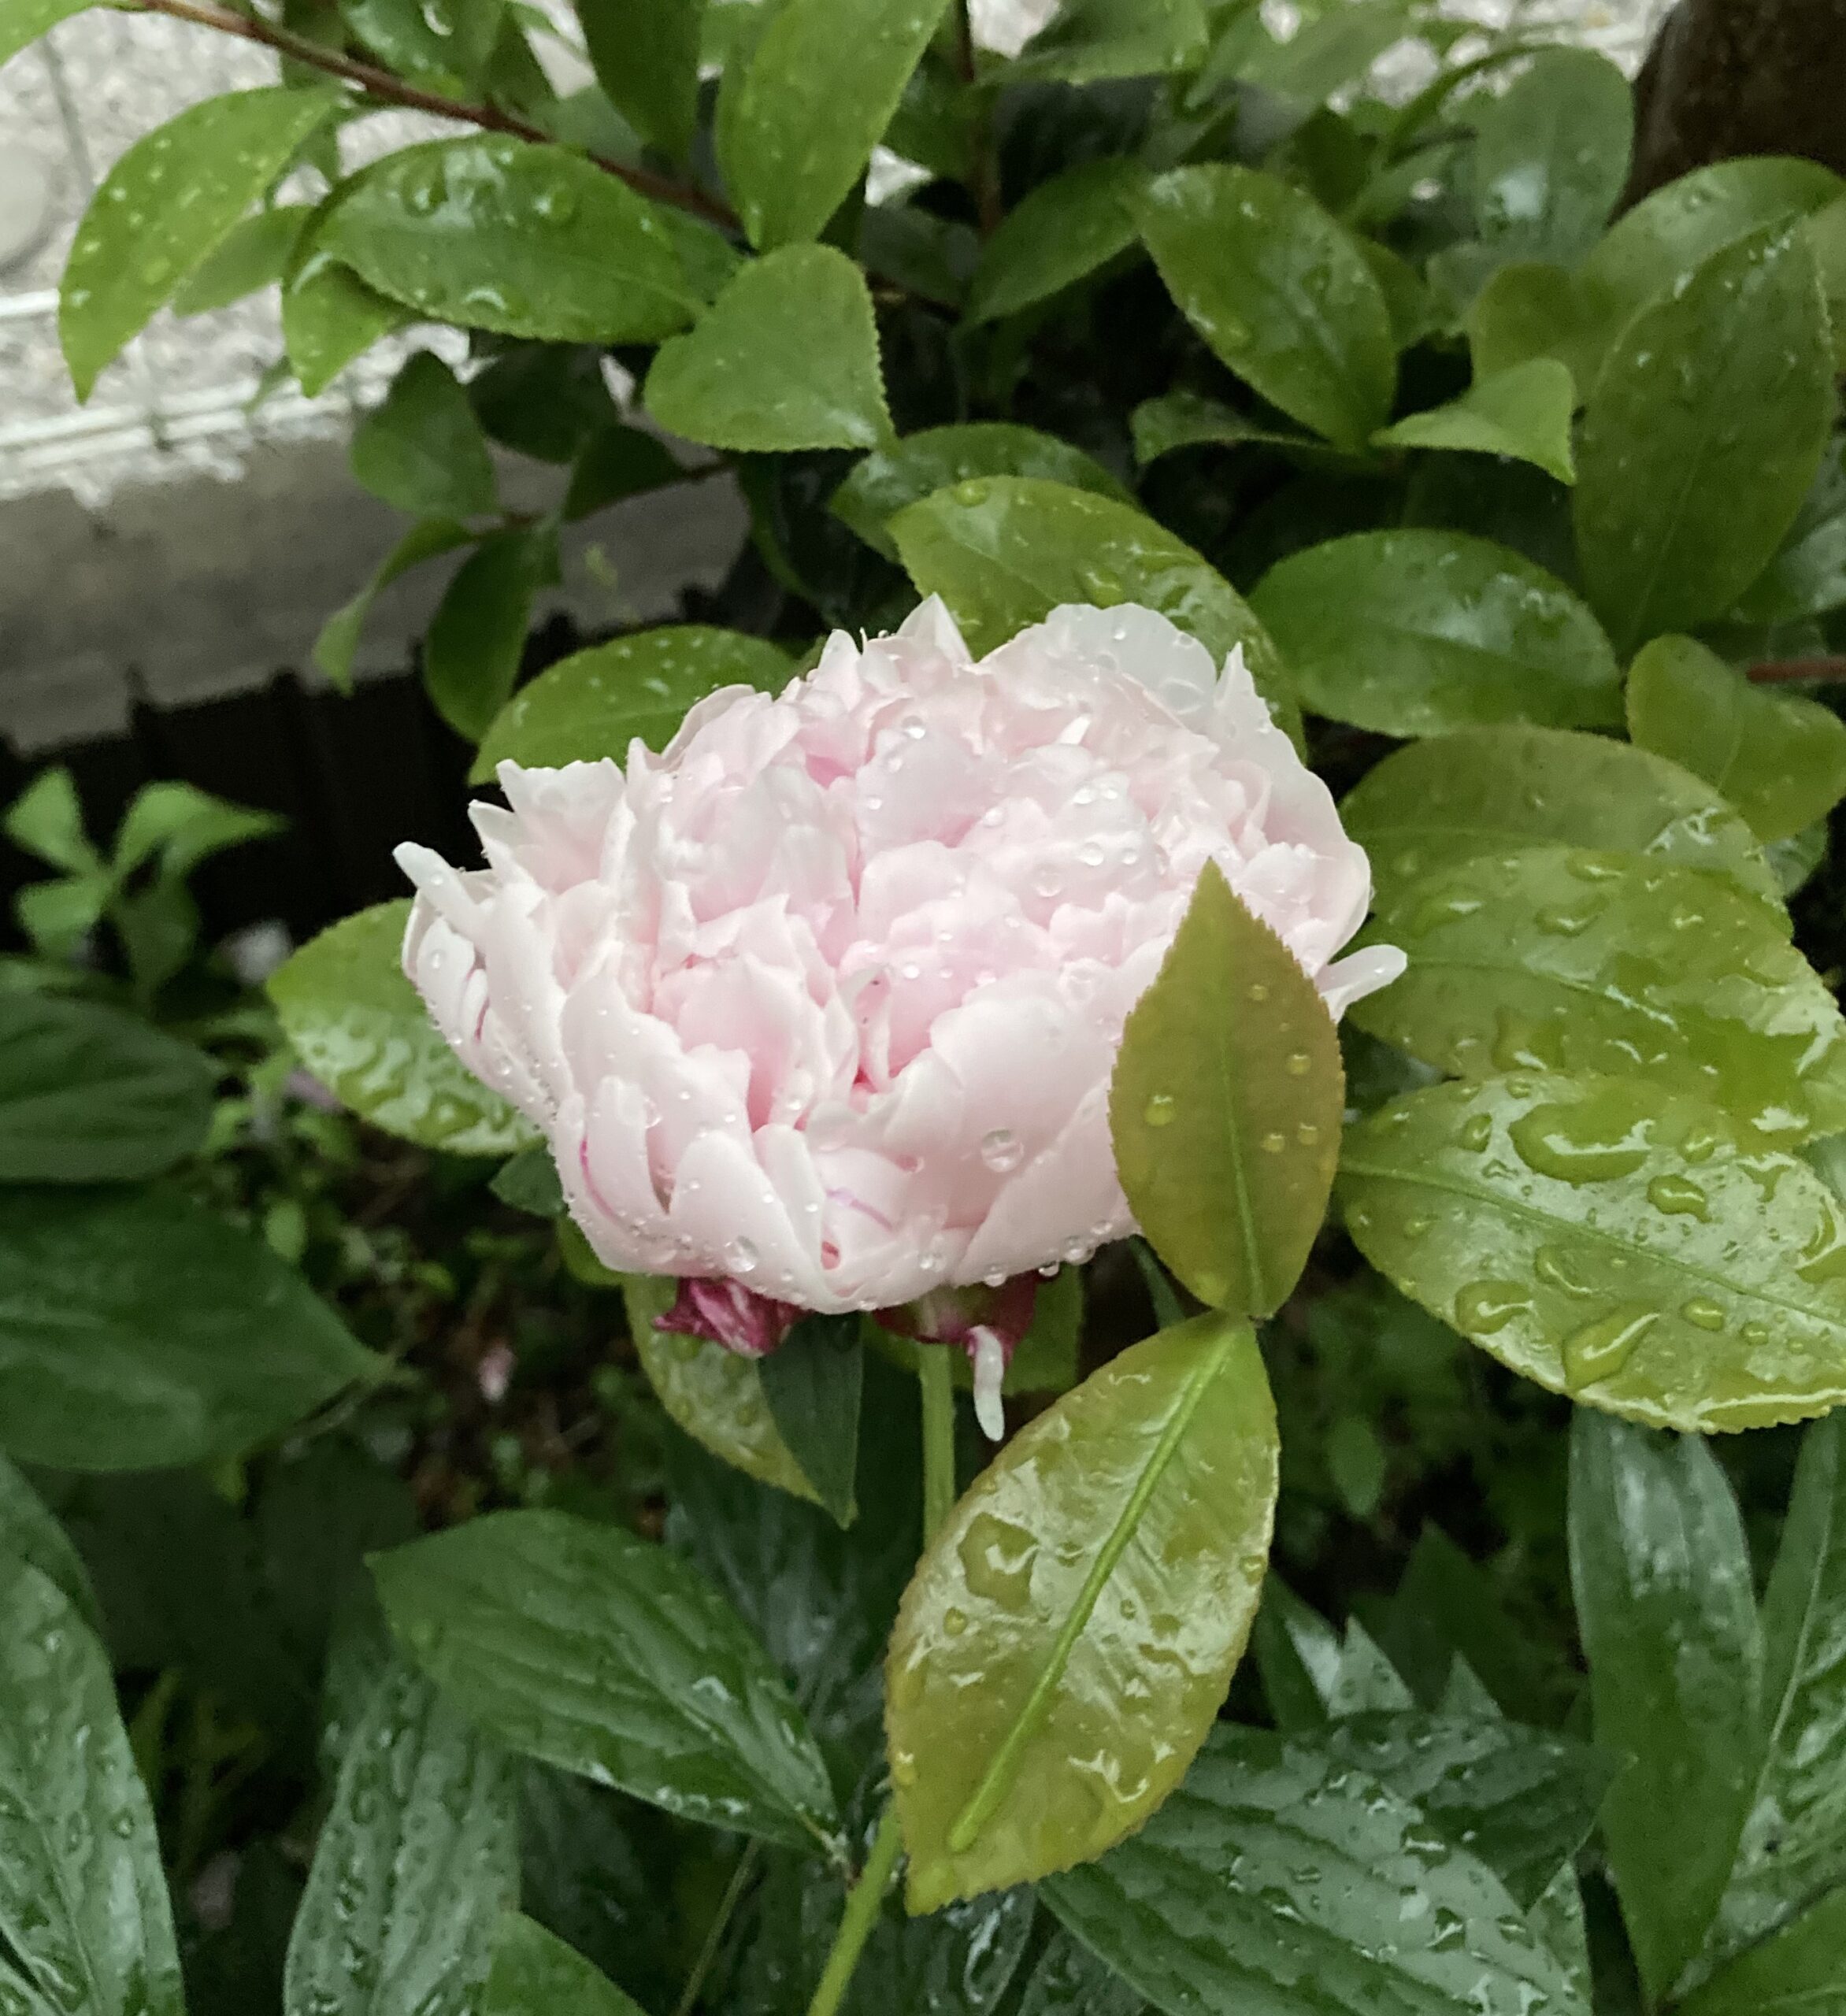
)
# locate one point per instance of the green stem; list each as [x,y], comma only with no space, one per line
[863,1902]
[728,1904]
[938,1436]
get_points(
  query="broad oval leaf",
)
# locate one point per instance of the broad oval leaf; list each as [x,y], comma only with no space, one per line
[1124,1531]
[254,254]
[1056,235]
[476,637]
[798,118]
[1568,959]
[1667,1609]
[1523,411]
[1779,759]
[1225,1105]
[1807,577]
[1551,156]
[1279,291]
[894,478]
[1639,1251]
[138,1331]
[417,1859]
[535,1973]
[29,1532]
[421,450]
[1486,791]
[358,1025]
[645,54]
[82,1892]
[595,702]
[1701,435]
[585,1647]
[1279,1877]
[496,233]
[1531,309]
[1796,1974]
[786,357]
[88,1094]
[165,206]
[330,316]
[1420,632]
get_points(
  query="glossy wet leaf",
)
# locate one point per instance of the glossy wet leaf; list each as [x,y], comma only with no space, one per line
[1067,1979]
[1637,1250]
[90,1095]
[1551,156]
[1523,411]
[1125,1530]
[254,253]
[1277,1873]
[165,206]
[1280,292]
[338,640]
[83,1896]
[1063,230]
[418,1858]
[1796,1973]
[799,115]
[1661,1573]
[1297,1654]
[812,1382]
[445,45]
[330,316]
[1531,309]
[1457,633]
[645,54]
[585,1647]
[1807,576]
[1781,760]
[24,21]
[890,480]
[1365,1682]
[476,638]
[1489,791]
[1323,54]
[137,1329]
[422,449]
[30,1532]
[1188,420]
[786,357]
[1092,41]
[1225,1105]
[535,1974]
[595,702]
[1701,435]
[360,1026]
[496,233]
[1582,962]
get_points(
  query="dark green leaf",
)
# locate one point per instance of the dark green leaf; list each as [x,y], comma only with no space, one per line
[645,53]
[535,1974]
[1797,1973]
[615,462]
[446,45]
[1091,41]
[1061,231]
[1807,577]
[544,399]
[1529,310]
[1551,155]
[422,449]
[1523,411]
[340,635]
[1281,293]
[329,315]
[139,1329]
[812,1382]
[29,1533]
[584,1647]
[1322,55]
[1668,1614]
[1458,633]
[1366,1683]
[1124,1530]
[1225,1105]
[477,635]
[1297,1654]
[1187,420]
[359,1026]
[595,702]
[530,1183]
[1640,1251]
[82,1899]
[1067,1979]
[786,357]
[1446,1609]
[254,254]
[1701,435]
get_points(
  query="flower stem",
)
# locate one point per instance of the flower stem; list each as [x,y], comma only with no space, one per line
[938,1436]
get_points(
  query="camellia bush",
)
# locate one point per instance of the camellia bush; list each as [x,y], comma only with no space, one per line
[1194,1018]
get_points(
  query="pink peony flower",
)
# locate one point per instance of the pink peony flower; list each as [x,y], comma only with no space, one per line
[823,1001]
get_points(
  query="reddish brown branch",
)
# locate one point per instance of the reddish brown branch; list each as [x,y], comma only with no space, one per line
[1776,672]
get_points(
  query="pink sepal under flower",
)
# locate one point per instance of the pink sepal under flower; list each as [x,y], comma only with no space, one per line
[728,1312]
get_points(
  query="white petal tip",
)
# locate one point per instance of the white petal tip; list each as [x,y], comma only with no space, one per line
[990,1369]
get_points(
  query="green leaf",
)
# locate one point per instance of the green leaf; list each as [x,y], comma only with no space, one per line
[338,640]
[581,1645]
[645,54]
[595,702]
[422,451]
[831,71]
[1092,41]
[1322,55]
[786,357]
[417,1859]
[535,1974]
[545,400]
[180,826]
[448,49]
[477,637]
[1059,233]
[1523,411]
[1187,420]
[615,462]
[1004,551]
[1297,1653]
[1446,1609]
[811,1382]
[46,819]
[252,254]
[495,233]
[329,316]
[1639,1251]
[1701,435]
[1550,156]
[1529,310]
[137,1329]
[1366,1682]
[1280,292]
[1780,759]
[715,1395]
[82,1893]
[1807,577]
[28,1532]
[1796,1974]
[891,480]
[91,1096]
[165,206]
[1067,1979]
[1440,803]
[1124,1531]
[1569,960]
[1661,1573]
[1457,633]
[358,1023]
[1226,1104]
[22,21]
[529,1182]
[1279,1878]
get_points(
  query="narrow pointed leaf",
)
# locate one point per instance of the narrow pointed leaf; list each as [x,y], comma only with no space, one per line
[477,635]
[1523,411]
[330,316]
[812,1382]
[1056,235]
[645,54]
[535,1973]
[29,1532]
[339,641]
